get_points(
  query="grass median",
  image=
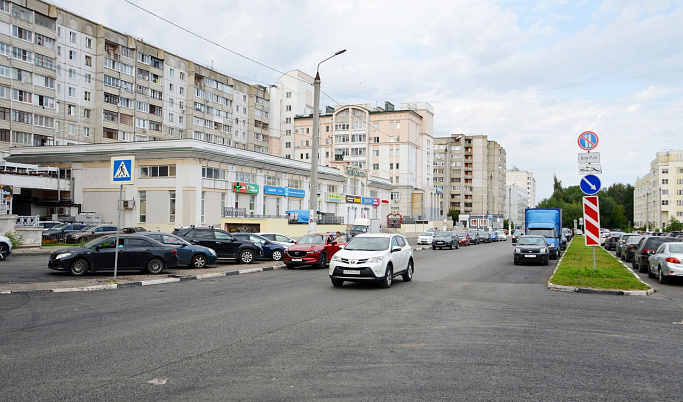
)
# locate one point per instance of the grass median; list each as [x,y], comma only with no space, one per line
[576,269]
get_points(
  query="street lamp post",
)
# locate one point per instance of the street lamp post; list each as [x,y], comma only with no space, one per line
[313,196]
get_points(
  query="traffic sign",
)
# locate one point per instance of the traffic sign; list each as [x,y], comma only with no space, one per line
[591,217]
[122,170]
[588,140]
[589,157]
[589,168]
[590,184]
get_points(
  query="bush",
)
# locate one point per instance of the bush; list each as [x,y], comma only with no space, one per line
[15,239]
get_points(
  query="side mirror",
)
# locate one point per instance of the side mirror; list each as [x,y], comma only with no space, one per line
[395,249]
[341,246]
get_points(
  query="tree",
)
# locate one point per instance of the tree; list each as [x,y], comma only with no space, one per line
[674,225]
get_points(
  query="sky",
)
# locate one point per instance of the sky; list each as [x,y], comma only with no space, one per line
[531,75]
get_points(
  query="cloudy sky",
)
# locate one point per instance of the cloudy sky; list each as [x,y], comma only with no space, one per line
[531,75]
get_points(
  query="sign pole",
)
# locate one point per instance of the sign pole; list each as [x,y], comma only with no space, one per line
[118,225]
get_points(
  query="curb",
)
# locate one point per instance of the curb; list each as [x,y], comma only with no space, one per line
[562,288]
[171,279]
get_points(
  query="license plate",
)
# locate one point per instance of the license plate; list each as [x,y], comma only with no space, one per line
[529,256]
[351,272]
[296,259]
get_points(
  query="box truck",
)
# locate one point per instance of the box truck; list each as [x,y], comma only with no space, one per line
[545,222]
[364,225]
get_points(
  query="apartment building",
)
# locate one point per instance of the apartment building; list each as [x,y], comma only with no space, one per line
[658,196]
[524,180]
[291,96]
[470,172]
[377,144]
[516,203]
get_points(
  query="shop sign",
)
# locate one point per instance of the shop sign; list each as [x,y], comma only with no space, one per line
[247,188]
[367,201]
[284,191]
[334,197]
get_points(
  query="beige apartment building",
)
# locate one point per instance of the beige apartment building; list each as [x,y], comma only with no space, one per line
[470,172]
[524,180]
[658,196]
[366,143]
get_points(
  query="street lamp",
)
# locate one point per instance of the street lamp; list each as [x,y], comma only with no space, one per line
[313,196]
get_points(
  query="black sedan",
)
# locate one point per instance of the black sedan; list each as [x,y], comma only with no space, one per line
[531,248]
[135,252]
[271,250]
[445,239]
[190,254]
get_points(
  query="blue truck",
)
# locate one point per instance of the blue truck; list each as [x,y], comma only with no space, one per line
[545,222]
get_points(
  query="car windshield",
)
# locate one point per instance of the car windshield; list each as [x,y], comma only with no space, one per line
[88,228]
[463,234]
[60,226]
[96,242]
[531,241]
[312,239]
[544,232]
[442,234]
[368,244]
[518,232]
[430,234]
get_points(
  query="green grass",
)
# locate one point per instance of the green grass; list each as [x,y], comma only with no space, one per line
[576,269]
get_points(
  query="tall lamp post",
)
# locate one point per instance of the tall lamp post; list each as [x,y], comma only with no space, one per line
[313,196]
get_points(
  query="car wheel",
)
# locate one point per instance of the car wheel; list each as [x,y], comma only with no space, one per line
[408,275]
[516,262]
[155,266]
[198,261]
[4,251]
[337,283]
[545,261]
[246,256]
[450,247]
[633,264]
[642,268]
[79,267]
[651,274]
[322,263]
[277,255]
[388,278]
[662,279]
[433,248]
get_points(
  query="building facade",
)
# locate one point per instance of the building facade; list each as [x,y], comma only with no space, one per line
[517,201]
[470,173]
[526,181]
[658,196]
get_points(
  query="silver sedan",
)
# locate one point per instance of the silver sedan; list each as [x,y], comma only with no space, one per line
[667,261]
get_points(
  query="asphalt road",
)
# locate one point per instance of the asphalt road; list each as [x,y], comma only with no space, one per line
[471,325]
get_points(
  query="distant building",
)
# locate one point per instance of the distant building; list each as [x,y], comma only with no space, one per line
[524,180]
[517,201]
[658,196]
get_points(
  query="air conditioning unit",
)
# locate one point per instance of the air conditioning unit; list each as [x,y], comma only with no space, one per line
[128,204]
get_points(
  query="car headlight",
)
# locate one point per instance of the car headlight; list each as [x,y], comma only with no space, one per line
[551,244]
[62,255]
[212,251]
[544,250]
[336,258]
[518,250]
[375,260]
[315,251]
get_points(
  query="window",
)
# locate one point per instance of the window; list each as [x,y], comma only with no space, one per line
[665,181]
[87,77]
[22,33]
[22,96]
[72,36]
[72,55]
[72,92]
[143,206]
[86,113]
[44,61]
[21,12]
[158,171]
[88,61]
[171,206]
[44,21]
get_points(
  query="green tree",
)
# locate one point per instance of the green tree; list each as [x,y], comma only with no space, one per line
[454,214]
[674,225]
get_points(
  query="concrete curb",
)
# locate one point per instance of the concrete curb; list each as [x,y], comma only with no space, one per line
[562,288]
[129,284]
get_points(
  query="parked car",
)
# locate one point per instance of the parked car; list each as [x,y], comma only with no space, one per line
[621,242]
[567,233]
[373,257]
[425,238]
[135,252]
[612,240]
[493,235]
[312,249]
[283,240]
[516,234]
[646,246]
[464,238]
[223,243]
[5,247]
[484,236]
[190,254]
[48,224]
[502,236]
[90,232]
[474,237]
[444,239]
[136,229]
[57,234]
[271,250]
[666,262]
[531,248]
[629,248]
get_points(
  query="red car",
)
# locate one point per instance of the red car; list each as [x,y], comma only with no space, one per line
[313,249]
[464,238]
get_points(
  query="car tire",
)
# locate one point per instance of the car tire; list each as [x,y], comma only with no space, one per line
[650,274]
[337,283]
[277,255]
[450,247]
[408,275]
[662,279]
[322,263]
[246,256]
[545,261]
[641,268]
[79,267]
[4,251]
[516,262]
[155,266]
[633,263]
[433,248]
[198,261]
[388,278]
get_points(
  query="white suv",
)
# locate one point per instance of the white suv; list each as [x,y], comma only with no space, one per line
[373,257]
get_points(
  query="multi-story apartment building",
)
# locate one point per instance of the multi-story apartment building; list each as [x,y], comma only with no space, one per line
[470,174]
[377,144]
[658,196]
[524,180]
[516,202]
[291,96]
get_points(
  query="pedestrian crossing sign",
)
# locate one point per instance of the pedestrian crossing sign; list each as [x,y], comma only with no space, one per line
[122,170]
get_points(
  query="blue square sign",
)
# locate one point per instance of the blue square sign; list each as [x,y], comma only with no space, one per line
[122,170]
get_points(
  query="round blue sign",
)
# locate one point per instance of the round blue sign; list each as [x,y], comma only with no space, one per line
[590,184]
